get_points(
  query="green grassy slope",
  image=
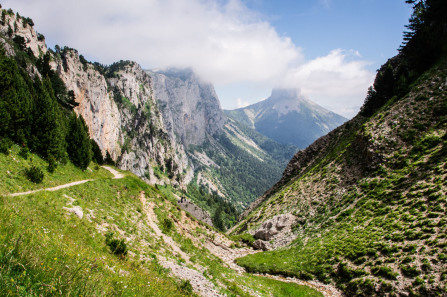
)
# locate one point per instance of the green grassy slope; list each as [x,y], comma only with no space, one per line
[46,251]
[372,203]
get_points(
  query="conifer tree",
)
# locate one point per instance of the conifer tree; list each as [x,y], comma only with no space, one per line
[47,136]
[97,155]
[78,142]
[15,101]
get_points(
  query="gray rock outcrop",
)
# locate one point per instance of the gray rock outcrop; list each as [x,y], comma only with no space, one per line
[270,228]
[261,245]
[190,107]
[196,211]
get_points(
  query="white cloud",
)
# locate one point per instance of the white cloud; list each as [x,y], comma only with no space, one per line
[336,80]
[241,103]
[222,40]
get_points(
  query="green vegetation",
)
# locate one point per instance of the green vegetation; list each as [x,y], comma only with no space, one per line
[222,212]
[13,177]
[44,250]
[117,246]
[34,174]
[244,176]
[111,251]
[35,113]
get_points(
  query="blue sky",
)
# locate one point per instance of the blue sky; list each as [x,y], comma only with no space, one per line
[329,49]
[373,28]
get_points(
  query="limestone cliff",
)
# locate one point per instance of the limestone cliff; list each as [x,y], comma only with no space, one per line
[190,107]
[123,117]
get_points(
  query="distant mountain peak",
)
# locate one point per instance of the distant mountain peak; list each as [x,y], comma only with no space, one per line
[286,93]
[288,117]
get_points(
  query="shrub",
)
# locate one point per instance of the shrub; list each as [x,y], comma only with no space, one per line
[34,174]
[117,246]
[386,272]
[51,163]
[167,225]
[410,271]
[5,145]
[24,152]
[186,286]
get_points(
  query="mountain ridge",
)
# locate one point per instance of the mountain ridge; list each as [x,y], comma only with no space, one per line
[288,118]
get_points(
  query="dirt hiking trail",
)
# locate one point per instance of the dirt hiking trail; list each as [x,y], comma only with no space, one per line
[116,175]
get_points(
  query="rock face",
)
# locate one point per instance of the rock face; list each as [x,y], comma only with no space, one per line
[272,227]
[275,232]
[190,107]
[196,211]
[96,106]
[19,26]
[284,109]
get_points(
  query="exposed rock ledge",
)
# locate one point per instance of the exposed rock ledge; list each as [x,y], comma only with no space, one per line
[275,233]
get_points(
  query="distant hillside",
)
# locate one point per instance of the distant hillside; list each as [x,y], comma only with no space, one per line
[289,118]
[227,158]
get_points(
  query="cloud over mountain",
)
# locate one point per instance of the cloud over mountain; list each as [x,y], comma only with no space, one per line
[223,41]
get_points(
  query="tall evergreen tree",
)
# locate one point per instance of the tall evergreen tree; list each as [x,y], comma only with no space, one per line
[15,101]
[78,142]
[96,151]
[47,136]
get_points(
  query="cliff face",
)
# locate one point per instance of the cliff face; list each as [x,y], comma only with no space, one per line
[190,107]
[123,117]
[98,109]
[13,25]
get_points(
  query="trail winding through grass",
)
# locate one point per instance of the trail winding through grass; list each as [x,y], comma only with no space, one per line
[116,175]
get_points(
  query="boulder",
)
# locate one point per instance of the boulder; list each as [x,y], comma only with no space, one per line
[261,245]
[272,227]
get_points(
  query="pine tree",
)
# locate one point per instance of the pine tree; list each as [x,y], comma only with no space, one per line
[108,159]
[47,136]
[97,155]
[15,101]
[78,142]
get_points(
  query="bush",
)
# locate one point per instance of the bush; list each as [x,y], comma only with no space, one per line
[51,164]
[34,174]
[5,145]
[186,286]
[410,271]
[386,272]
[245,238]
[24,152]
[117,246]
[167,225]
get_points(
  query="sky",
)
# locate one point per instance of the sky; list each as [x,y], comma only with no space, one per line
[329,49]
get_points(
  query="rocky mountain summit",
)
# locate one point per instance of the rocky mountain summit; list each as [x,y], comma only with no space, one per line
[288,117]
